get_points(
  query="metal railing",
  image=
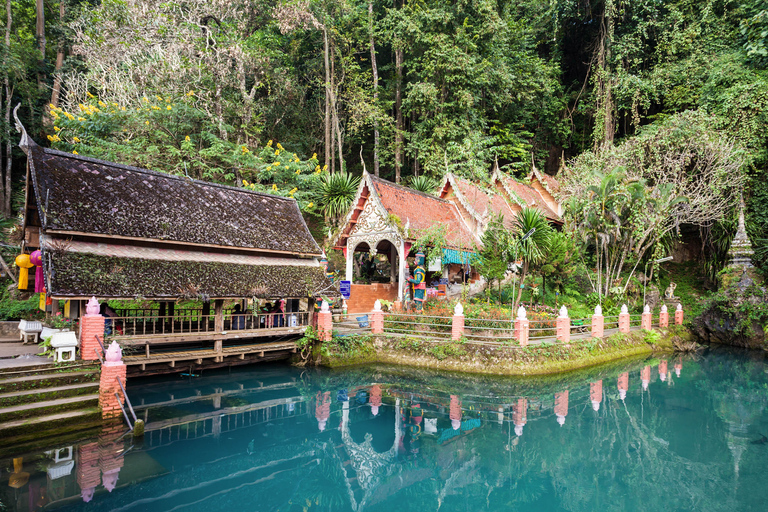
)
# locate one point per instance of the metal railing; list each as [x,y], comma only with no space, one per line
[128,403]
[414,325]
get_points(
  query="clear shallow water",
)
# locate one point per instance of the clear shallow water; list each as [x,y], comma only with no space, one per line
[272,438]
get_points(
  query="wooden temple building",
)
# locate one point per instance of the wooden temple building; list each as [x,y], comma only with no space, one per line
[386,219]
[245,261]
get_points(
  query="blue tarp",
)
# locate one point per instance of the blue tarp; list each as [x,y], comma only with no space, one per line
[458,257]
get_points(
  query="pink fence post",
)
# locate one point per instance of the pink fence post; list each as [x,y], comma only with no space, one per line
[664,317]
[563,326]
[377,318]
[679,315]
[91,325]
[598,322]
[624,319]
[457,328]
[522,327]
[646,318]
[325,323]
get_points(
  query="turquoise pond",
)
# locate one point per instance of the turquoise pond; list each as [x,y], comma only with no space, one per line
[674,434]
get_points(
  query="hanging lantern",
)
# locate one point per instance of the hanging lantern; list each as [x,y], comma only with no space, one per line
[36,258]
[22,261]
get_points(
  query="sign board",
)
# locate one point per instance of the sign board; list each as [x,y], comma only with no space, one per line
[441,290]
[345,287]
[436,265]
[443,280]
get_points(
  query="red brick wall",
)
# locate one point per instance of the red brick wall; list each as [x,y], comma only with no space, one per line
[90,326]
[362,296]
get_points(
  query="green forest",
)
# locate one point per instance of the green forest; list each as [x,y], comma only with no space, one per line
[654,111]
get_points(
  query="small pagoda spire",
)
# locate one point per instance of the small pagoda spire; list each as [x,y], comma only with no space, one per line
[740,253]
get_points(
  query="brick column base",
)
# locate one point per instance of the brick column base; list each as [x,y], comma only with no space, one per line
[108,386]
[564,329]
[645,321]
[679,317]
[457,327]
[522,331]
[624,322]
[598,326]
[90,327]
[664,319]
[377,322]
[325,325]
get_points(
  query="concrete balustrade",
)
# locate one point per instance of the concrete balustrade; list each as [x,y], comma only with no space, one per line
[664,317]
[679,315]
[646,319]
[624,319]
[563,326]
[457,327]
[598,322]
[522,327]
[377,318]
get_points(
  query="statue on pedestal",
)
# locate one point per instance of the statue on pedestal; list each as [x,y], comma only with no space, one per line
[419,282]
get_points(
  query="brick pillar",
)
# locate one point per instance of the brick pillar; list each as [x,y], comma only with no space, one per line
[112,368]
[663,370]
[522,327]
[664,317]
[646,318]
[598,322]
[561,406]
[596,394]
[645,376]
[377,318]
[563,326]
[457,327]
[624,319]
[111,449]
[325,323]
[623,385]
[88,472]
[679,315]
[91,325]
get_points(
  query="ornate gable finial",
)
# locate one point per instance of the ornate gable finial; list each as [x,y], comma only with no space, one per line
[25,141]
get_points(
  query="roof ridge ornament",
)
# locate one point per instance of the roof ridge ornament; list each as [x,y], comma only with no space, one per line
[25,138]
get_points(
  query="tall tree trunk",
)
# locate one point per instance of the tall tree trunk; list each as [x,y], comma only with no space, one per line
[605,124]
[335,115]
[40,34]
[375,70]
[6,186]
[398,112]
[328,135]
[59,61]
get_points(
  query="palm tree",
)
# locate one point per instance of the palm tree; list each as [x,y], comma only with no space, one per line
[532,249]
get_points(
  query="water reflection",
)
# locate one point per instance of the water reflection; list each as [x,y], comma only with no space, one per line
[375,438]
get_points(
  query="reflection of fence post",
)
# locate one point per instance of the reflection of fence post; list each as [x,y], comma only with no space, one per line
[679,315]
[598,322]
[624,319]
[522,327]
[563,326]
[325,323]
[377,318]
[91,325]
[457,327]
[645,319]
[664,317]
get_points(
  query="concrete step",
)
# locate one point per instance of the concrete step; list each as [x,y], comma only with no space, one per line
[46,407]
[38,395]
[15,433]
[48,379]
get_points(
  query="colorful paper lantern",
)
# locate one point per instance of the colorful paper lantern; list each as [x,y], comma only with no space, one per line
[22,261]
[36,258]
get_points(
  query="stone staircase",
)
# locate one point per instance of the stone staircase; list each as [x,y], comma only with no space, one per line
[45,401]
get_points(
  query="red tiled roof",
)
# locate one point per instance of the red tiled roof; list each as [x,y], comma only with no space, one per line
[421,211]
[549,182]
[530,196]
[483,203]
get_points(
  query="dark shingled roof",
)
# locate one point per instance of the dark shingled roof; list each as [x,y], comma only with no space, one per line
[79,194]
[82,275]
